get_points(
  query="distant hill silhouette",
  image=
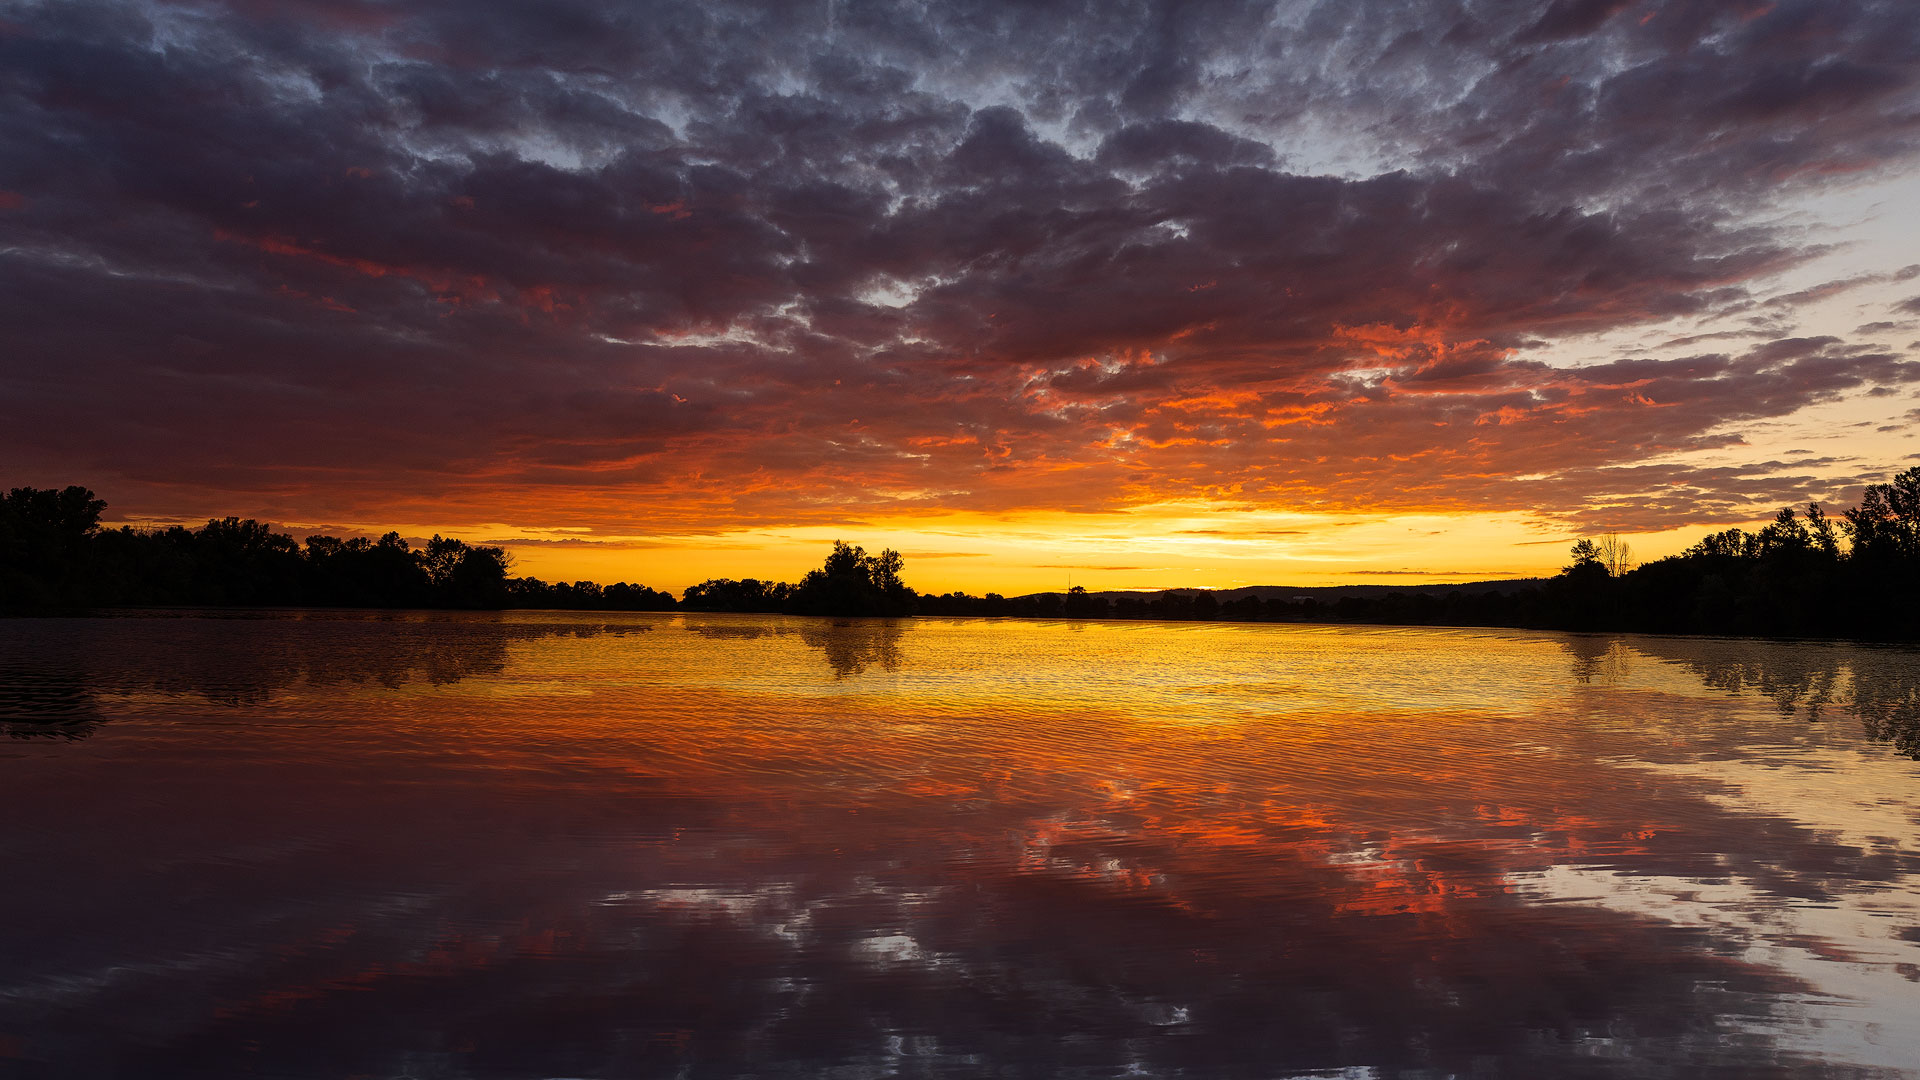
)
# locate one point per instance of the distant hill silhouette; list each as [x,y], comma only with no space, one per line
[1805,574]
[1324,592]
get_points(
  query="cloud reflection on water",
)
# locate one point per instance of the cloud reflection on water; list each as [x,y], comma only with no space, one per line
[958,846]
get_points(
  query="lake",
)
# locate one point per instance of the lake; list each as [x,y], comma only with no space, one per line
[534,844]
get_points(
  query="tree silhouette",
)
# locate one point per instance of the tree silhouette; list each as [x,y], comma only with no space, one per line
[851,582]
[1585,553]
[55,556]
[1803,574]
[1615,554]
[1885,527]
[43,542]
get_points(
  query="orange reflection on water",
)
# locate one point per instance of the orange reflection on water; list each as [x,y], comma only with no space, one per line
[641,845]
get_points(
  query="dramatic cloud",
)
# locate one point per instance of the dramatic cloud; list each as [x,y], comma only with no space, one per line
[667,265]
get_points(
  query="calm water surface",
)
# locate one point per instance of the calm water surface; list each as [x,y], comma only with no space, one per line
[543,845]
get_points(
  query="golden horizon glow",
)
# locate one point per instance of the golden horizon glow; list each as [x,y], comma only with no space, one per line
[1166,546]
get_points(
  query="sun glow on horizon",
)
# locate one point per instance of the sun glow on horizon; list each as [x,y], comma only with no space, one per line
[1171,545]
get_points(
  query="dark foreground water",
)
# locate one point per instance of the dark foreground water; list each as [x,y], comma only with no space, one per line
[547,845]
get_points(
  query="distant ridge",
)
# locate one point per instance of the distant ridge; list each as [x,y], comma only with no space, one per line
[1328,592]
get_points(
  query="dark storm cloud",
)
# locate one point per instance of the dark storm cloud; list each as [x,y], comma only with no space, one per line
[776,263]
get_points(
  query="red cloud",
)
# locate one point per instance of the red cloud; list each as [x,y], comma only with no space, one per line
[593,274]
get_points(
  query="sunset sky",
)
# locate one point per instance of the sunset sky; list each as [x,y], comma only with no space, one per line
[1148,294]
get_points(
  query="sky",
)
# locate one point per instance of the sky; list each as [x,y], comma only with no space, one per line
[1140,294]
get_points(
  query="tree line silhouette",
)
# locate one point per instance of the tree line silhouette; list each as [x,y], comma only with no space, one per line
[54,555]
[1804,574]
[851,582]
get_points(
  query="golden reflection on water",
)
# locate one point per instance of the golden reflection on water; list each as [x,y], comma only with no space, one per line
[640,845]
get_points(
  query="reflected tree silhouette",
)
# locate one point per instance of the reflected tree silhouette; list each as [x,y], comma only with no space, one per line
[1801,678]
[1888,705]
[54,680]
[851,646]
[1877,685]
[735,631]
[46,702]
[1597,658]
